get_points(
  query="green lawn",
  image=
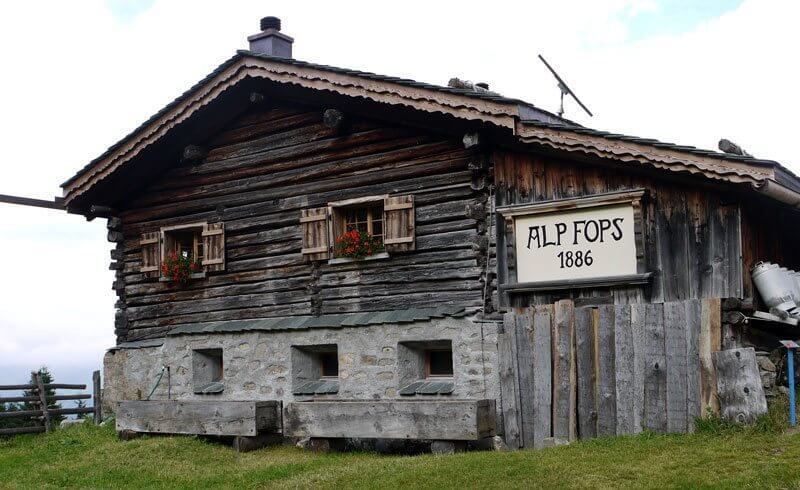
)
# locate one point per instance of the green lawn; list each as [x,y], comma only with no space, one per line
[88,456]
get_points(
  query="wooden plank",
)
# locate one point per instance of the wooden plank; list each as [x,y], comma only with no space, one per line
[675,349]
[453,420]
[584,353]
[219,418]
[639,365]
[739,388]
[624,369]
[542,376]
[525,367]
[97,400]
[693,371]
[564,389]
[606,375]
[655,401]
[509,388]
[21,430]
[710,341]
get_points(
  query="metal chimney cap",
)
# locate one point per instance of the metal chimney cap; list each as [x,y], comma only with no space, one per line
[270,22]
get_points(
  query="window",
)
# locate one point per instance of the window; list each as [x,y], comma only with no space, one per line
[203,243]
[207,371]
[367,219]
[425,367]
[315,370]
[329,365]
[438,363]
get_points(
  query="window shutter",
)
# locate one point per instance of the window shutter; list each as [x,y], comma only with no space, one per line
[214,247]
[316,233]
[398,222]
[151,254]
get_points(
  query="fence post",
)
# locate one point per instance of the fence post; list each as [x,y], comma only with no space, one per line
[42,400]
[97,398]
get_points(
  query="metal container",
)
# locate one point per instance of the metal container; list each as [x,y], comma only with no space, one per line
[775,286]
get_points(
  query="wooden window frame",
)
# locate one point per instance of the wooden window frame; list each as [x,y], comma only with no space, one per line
[337,226]
[427,362]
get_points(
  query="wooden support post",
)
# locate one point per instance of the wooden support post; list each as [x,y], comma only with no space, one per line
[710,341]
[43,401]
[97,398]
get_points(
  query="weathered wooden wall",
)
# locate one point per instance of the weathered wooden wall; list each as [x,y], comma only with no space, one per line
[259,174]
[569,373]
[691,234]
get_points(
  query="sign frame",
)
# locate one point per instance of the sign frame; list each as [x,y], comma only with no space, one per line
[635,197]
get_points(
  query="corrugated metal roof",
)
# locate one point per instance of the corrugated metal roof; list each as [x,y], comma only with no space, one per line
[325,321]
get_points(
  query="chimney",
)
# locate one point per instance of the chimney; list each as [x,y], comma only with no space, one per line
[270,40]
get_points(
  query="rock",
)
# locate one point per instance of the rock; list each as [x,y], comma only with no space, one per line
[304,443]
[70,422]
[783,390]
[320,445]
[765,364]
[498,444]
[448,447]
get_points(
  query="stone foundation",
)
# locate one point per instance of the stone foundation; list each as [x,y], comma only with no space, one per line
[258,365]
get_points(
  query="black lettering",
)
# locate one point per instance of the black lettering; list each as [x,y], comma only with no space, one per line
[577,230]
[544,236]
[533,234]
[596,231]
[605,224]
[617,235]
[561,228]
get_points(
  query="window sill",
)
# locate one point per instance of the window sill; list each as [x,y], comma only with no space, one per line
[429,386]
[212,388]
[348,260]
[198,275]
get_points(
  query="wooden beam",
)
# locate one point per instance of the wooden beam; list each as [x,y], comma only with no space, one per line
[193,154]
[334,119]
[56,203]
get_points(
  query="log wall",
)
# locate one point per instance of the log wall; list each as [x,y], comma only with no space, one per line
[692,240]
[258,175]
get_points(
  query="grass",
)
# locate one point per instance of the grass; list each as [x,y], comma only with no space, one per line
[719,455]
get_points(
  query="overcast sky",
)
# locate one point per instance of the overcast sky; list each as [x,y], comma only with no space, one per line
[77,76]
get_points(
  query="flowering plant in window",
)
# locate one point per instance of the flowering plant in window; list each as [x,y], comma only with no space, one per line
[357,244]
[179,267]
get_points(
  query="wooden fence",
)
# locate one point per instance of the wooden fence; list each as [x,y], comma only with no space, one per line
[569,373]
[40,399]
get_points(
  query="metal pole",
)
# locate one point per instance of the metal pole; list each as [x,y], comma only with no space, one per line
[790,376]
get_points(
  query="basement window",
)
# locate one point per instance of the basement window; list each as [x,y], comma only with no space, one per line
[426,367]
[315,370]
[207,371]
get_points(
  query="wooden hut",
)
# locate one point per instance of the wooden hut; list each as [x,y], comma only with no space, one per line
[336,254]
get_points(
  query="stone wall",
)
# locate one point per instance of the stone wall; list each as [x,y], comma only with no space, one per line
[258,365]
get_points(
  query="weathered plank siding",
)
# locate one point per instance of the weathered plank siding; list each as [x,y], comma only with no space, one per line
[259,174]
[691,234]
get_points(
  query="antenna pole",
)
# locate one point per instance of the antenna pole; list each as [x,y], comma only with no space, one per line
[565,90]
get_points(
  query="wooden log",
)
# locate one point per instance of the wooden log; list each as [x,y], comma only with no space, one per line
[564,386]
[710,341]
[606,374]
[676,350]
[21,430]
[542,375]
[624,368]
[739,388]
[587,401]
[655,375]
[693,369]
[38,413]
[509,382]
[334,119]
[219,418]
[452,420]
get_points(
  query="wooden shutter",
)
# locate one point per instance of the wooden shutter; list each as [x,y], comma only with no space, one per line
[214,247]
[316,233]
[151,254]
[398,222]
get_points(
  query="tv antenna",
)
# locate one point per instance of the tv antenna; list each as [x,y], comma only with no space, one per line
[565,90]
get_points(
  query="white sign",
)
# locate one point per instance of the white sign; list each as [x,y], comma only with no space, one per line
[577,244]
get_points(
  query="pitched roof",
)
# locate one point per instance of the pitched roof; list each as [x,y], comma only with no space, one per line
[527,122]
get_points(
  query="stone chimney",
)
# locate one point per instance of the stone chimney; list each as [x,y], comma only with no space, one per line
[270,40]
